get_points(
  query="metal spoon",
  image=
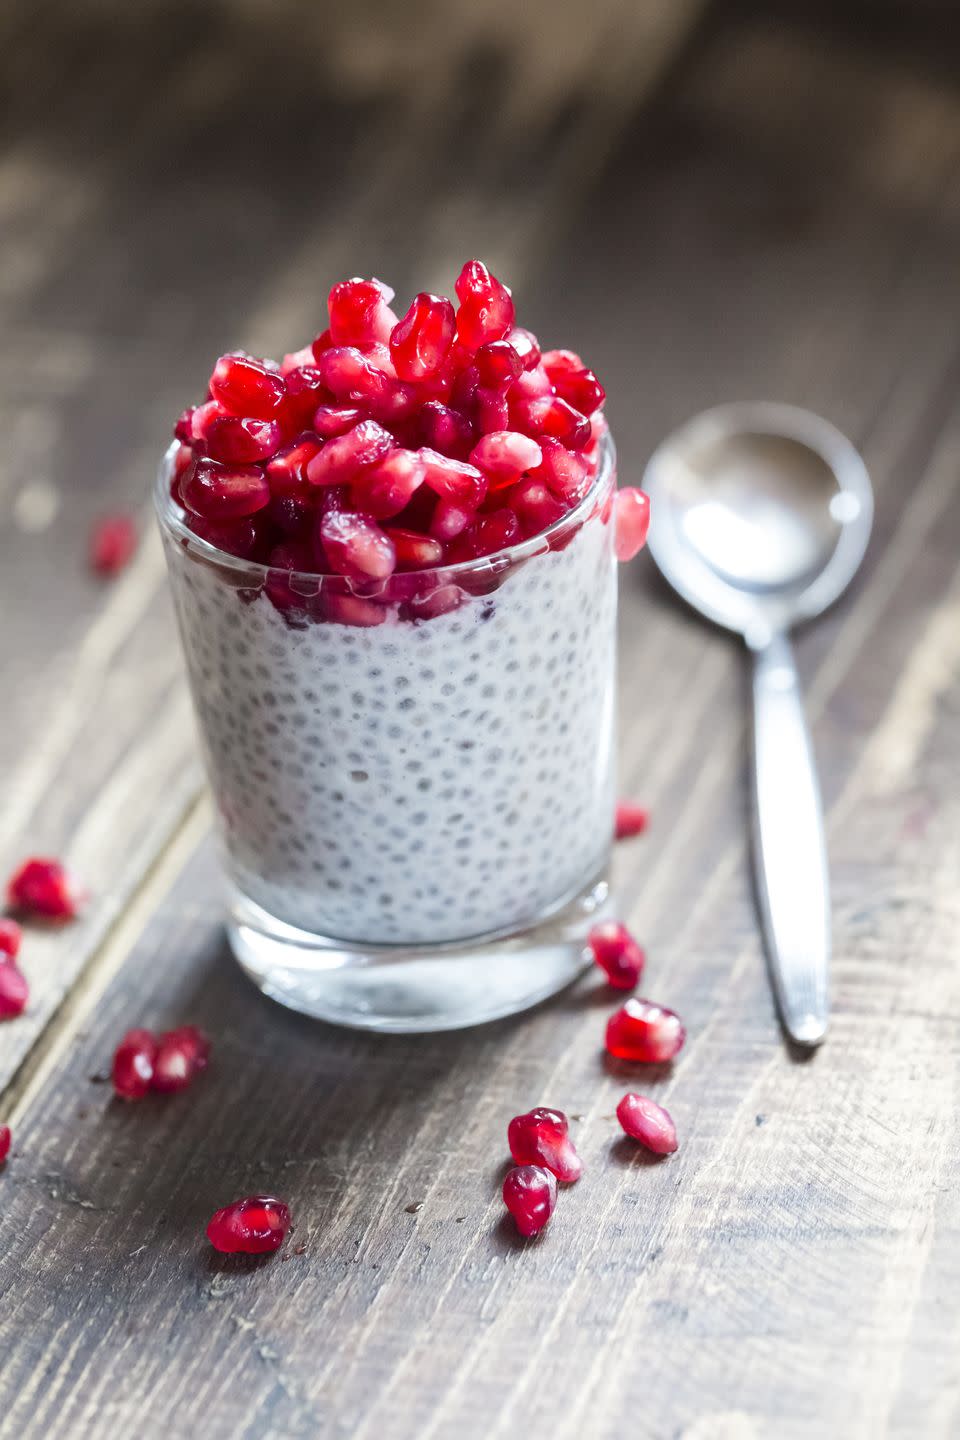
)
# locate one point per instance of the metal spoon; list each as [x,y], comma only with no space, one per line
[760,517]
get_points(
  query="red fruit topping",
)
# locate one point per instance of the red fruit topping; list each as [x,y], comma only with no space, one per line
[387,487]
[5,1141]
[244,386]
[330,420]
[236,537]
[533,384]
[549,415]
[541,1138]
[486,309]
[242,442]
[354,610]
[287,471]
[645,1032]
[346,455]
[256,1225]
[572,380]
[323,342]
[10,937]
[413,550]
[47,889]
[305,391]
[133,1064]
[498,365]
[113,541]
[183,430]
[296,360]
[356,546]
[360,313]
[485,535]
[453,479]
[526,345]
[631,820]
[421,341]
[535,507]
[617,953]
[445,430]
[632,518]
[649,1123]
[490,411]
[353,378]
[530,1194]
[14,990]
[504,455]
[224,492]
[181,1055]
[562,472]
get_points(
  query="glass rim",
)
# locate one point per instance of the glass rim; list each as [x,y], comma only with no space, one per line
[171,523]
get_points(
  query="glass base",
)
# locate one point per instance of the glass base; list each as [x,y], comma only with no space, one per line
[409,990]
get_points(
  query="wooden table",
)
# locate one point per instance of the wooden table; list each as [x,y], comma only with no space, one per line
[712,201]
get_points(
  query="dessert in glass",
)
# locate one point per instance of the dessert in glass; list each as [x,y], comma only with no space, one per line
[393,560]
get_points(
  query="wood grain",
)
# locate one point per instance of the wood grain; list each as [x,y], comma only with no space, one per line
[779,218]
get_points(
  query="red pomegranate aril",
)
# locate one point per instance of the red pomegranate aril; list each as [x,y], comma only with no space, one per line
[181,1056]
[490,411]
[14,990]
[224,492]
[445,429]
[386,488]
[305,392]
[290,516]
[11,936]
[631,509]
[287,470]
[324,341]
[530,1194]
[498,365]
[6,1139]
[631,820]
[360,313]
[486,534]
[504,455]
[343,457]
[354,610]
[233,440]
[541,1137]
[644,1120]
[356,546]
[581,389]
[352,377]
[201,419]
[535,507]
[414,551]
[113,542]
[527,346]
[183,429]
[562,472]
[296,360]
[133,1064]
[182,460]
[449,520]
[617,953]
[533,384]
[256,1225]
[440,601]
[549,415]
[236,537]
[47,889]
[421,341]
[646,1032]
[330,420]
[453,479]
[245,386]
[486,307]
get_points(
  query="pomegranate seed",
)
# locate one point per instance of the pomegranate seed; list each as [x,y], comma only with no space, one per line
[490,411]
[202,418]
[351,376]
[533,384]
[305,392]
[255,1225]
[237,537]
[504,455]
[573,382]
[6,1139]
[421,341]
[498,365]
[323,342]
[445,430]
[386,488]
[47,889]
[181,1056]
[644,1031]
[631,820]
[549,415]
[541,1138]
[245,386]
[356,546]
[449,520]
[10,937]
[182,460]
[562,472]
[330,420]
[224,492]
[530,1194]
[617,953]
[644,1120]
[486,534]
[296,361]
[345,456]
[133,1064]
[360,312]
[14,990]
[183,430]
[527,346]
[486,308]
[113,541]
[242,441]
[438,602]
[453,479]
[535,507]
[354,610]
[290,516]
[632,515]
[414,551]
[287,471]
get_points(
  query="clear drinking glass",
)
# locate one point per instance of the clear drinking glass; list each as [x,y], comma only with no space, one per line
[414,779]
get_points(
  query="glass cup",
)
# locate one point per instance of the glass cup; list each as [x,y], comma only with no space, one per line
[413,779]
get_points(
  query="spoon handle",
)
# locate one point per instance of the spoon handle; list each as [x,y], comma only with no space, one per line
[789,847]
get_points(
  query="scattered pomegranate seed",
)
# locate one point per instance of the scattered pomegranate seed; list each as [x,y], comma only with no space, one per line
[617,953]
[14,990]
[235,441]
[181,1056]
[113,541]
[360,312]
[255,1225]
[11,936]
[541,1138]
[486,308]
[421,341]
[632,517]
[47,889]
[133,1064]
[530,1194]
[6,1139]
[224,492]
[645,1032]
[649,1123]
[245,386]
